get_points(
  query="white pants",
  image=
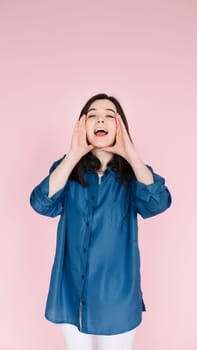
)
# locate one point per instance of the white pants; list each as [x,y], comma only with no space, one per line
[76,340]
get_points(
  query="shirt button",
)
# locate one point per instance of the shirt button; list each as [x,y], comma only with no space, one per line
[83,302]
[92,197]
[85,250]
[87,223]
[83,276]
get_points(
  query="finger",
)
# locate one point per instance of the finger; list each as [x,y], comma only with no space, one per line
[82,122]
[120,122]
[76,124]
[118,126]
[122,126]
[90,147]
[82,119]
[79,124]
[77,127]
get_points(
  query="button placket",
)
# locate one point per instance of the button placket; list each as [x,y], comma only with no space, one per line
[84,261]
[84,251]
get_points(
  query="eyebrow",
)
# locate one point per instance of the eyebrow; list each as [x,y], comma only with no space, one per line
[107,109]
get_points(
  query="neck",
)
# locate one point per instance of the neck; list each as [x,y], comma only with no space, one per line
[104,157]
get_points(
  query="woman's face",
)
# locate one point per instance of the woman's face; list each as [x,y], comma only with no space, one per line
[101,115]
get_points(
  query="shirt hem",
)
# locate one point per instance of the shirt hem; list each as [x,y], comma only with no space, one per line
[116,332]
[84,330]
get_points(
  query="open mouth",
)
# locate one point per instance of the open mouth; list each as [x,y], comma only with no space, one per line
[100,132]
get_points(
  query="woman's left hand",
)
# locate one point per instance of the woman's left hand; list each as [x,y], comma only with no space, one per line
[123,146]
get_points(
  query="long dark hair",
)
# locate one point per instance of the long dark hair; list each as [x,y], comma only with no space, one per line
[90,161]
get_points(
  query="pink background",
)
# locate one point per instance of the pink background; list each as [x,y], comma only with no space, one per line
[54,56]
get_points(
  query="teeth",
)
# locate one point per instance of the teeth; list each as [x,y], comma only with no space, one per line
[99,129]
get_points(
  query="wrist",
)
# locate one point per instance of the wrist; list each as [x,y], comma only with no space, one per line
[71,157]
[132,156]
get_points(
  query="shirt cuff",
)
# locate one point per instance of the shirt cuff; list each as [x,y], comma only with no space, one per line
[42,191]
[144,191]
[39,199]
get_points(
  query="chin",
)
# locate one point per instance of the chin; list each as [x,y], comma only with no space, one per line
[101,143]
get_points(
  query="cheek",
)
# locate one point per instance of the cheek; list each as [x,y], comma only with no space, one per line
[87,127]
[88,130]
[113,134]
[114,129]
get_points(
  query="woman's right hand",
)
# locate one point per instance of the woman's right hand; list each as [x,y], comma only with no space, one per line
[79,146]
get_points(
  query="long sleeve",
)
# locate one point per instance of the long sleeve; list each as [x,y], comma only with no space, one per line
[40,201]
[151,199]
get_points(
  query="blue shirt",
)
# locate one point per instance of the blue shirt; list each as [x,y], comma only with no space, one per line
[95,279]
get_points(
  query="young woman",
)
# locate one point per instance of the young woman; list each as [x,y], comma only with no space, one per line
[98,188]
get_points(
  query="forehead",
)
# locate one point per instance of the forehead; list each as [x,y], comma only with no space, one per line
[102,105]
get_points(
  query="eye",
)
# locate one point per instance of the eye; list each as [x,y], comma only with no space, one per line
[92,115]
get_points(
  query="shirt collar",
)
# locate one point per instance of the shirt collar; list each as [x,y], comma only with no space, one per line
[107,170]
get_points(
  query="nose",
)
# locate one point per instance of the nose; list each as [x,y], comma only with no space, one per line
[100,119]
